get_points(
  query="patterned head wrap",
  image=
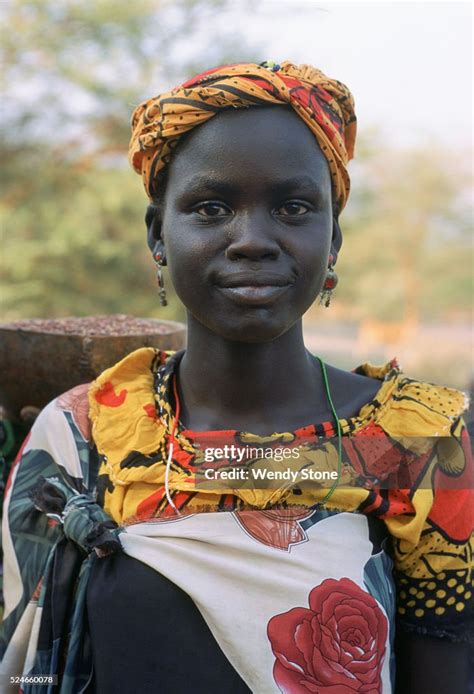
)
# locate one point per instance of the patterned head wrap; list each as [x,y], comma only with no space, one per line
[324,104]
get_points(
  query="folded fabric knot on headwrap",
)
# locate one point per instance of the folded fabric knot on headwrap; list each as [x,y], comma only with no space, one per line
[325,105]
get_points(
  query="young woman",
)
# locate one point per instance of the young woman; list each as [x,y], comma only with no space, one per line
[241,516]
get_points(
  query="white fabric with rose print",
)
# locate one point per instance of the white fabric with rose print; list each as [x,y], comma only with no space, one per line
[292,614]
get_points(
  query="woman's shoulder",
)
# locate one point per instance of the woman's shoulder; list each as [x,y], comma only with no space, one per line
[72,413]
[122,405]
[402,405]
[128,384]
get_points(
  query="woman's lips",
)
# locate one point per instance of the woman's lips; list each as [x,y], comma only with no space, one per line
[255,294]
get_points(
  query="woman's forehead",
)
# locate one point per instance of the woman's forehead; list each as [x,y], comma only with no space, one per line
[262,142]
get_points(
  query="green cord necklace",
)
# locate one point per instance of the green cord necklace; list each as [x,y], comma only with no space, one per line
[339,433]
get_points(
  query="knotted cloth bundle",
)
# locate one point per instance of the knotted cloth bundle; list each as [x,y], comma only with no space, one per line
[325,105]
[83,521]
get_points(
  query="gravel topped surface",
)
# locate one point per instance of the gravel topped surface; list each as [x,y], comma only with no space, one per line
[113,325]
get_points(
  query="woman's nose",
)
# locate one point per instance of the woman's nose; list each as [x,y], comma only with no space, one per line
[252,237]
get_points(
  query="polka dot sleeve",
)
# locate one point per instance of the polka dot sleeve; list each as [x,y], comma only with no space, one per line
[433,543]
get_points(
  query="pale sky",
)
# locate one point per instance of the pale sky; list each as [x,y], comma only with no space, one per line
[409,64]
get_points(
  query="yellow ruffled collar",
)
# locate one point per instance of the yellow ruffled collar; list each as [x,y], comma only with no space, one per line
[132,416]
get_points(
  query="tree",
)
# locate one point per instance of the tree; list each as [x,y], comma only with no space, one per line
[72,237]
[407,252]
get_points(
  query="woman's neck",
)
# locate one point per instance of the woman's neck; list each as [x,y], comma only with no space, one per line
[262,387]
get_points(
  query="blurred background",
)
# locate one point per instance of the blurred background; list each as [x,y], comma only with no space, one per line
[72,231]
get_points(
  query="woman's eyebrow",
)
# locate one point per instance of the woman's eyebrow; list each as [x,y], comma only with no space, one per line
[200,183]
[301,183]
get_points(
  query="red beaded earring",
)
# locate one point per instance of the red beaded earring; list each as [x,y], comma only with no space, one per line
[330,283]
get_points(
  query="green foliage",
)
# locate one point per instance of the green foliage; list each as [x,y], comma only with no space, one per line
[77,245]
[73,237]
[407,251]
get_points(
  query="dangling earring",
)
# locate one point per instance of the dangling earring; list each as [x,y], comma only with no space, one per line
[330,283]
[159,260]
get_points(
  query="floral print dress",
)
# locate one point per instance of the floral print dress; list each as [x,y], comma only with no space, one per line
[299,596]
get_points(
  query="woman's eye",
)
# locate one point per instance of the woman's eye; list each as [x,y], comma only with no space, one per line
[293,209]
[212,209]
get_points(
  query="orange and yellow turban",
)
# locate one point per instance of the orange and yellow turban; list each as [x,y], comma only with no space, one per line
[324,104]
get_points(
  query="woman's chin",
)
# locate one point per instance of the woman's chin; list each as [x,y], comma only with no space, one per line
[253,330]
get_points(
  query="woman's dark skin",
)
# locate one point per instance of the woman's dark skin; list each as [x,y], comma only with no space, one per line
[248,195]
[262,208]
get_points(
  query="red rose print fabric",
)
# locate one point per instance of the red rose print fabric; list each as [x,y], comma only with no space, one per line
[299,618]
[337,646]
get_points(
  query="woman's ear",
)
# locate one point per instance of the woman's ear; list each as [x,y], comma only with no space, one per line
[336,241]
[153,226]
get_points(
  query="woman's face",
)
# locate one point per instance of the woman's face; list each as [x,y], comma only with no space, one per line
[247,223]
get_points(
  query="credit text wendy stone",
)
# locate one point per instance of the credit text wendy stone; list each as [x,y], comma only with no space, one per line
[264,474]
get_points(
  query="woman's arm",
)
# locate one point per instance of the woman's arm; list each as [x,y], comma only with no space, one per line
[432,546]
[431,666]
[51,522]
